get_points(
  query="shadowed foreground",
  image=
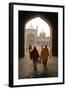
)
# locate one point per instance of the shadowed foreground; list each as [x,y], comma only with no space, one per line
[26,69]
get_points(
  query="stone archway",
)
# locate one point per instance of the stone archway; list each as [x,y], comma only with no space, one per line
[49,24]
[50,18]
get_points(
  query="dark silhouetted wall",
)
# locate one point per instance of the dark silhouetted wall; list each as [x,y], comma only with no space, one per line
[51,17]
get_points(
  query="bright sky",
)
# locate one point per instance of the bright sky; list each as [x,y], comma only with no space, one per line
[42,25]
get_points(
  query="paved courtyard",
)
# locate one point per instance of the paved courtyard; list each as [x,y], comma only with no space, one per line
[26,69]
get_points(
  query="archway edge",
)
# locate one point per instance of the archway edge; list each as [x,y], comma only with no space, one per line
[42,17]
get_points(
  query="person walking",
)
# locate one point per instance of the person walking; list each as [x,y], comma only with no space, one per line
[44,56]
[34,57]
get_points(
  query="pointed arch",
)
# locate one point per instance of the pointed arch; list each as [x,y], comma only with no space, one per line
[44,18]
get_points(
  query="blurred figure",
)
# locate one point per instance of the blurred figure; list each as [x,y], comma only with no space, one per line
[26,49]
[34,57]
[44,56]
[30,49]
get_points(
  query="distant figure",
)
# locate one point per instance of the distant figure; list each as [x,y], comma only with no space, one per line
[44,56]
[30,49]
[34,57]
[26,48]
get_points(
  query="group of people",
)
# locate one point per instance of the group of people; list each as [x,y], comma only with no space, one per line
[34,55]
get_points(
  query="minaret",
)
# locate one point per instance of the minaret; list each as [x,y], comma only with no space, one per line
[31,27]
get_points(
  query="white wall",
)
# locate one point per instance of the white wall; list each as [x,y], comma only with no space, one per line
[4,44]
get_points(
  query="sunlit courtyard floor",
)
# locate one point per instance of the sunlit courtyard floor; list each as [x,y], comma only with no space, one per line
[26,69]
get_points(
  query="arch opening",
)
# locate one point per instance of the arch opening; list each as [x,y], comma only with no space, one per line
[39,31]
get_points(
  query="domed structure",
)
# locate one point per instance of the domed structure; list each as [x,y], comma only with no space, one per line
[32,39]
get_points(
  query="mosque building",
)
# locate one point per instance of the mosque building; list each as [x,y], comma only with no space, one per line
[32,39]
